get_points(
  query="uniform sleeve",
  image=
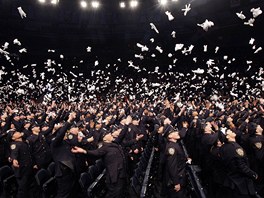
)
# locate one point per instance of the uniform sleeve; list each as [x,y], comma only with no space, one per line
[258,150]
[14,152]
[241,164]
[61,133]
[31,149]
[172,165]
[98,152]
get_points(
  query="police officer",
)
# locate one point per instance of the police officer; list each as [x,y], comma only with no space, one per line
[64,160]
[238,176]
[175,162]
[22,163]
[39,147]
[115,163]
[256,143]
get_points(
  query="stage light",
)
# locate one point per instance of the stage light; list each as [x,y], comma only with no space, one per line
[83,4]
[163,2]
[54,2]
[133,3]
[174,0]
[42,1]
[95,4]
[122,4]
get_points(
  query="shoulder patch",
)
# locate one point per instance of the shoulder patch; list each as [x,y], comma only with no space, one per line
[240,152]
[171,151]
[258,145]
[70,137]
[13,146]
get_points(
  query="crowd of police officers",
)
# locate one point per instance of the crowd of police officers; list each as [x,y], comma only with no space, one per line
[225,140]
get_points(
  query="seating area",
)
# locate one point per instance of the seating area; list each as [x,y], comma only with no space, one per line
[46,181]
[8,184]
[143,183]
[92,181]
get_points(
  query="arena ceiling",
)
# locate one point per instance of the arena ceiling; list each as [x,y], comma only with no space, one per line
[114,32]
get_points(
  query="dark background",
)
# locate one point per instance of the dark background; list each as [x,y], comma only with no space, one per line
[110,29]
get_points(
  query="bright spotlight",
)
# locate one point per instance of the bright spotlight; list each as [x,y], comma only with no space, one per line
[42,1]
[95,4]
[163,2]
[83,4]
[122,4]
[133,3]
[54,2]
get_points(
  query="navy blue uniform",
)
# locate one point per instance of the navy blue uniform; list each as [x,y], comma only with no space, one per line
[24,173]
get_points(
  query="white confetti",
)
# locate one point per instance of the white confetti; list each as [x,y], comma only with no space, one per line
[251,41]
[143,47]
[190,49]
[256,12]
[173,34]
[178,46]
[170,17]
[89,49]
[206,25]
[154,28]
[241,15]
[139,56]
[205,48]
[159,49]
[156,84]
[257,50]
[210,62]
[216,49]
[3,52]
[20,91]
[198,71]
[249,68]
[5,46]
[250,22]
[186,9]
[2,73]
[17,42]
[24,50]
[21,12]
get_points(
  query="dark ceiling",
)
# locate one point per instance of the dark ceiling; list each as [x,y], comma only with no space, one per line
[115,32]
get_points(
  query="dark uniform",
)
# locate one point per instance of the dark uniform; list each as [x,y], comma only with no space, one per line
[175,169]
[24,173]
[114,160]
[40,149]
[238,176]
[256,143]
[64,162]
